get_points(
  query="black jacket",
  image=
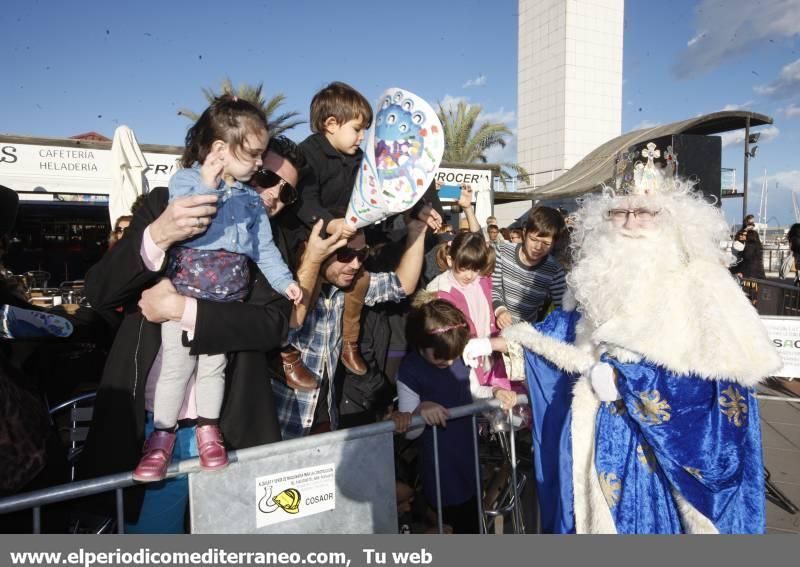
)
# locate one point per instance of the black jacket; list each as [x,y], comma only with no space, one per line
[327,181]
[248,329]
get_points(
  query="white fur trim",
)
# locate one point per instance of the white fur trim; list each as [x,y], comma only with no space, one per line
[592,514]
[565,356]
[692,520]
[568,301]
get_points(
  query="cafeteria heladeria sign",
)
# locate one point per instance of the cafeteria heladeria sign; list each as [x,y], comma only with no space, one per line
[64,169]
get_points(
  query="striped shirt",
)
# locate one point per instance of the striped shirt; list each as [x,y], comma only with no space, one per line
[522,289]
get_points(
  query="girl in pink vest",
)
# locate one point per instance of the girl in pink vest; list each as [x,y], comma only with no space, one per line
[467,284]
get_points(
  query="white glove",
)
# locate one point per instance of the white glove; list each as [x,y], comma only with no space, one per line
[605,387]
[475,349]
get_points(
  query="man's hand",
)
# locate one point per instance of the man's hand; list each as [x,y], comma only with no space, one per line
[504,319]
[294,293]
[433,413]
[318,248]
[465,197]
[162,303]
[419,224]
[604,382]
[183,218]
[433,220]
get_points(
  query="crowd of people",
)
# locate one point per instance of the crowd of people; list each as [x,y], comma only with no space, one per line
[241,288]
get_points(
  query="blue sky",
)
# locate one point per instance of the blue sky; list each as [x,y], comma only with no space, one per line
[92,65]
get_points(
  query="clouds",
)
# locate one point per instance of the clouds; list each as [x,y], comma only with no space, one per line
[737,136]
[792,111]
[725,28]
[737,106]
[478,81]
[449,102]
[787,84]
[500,115]
[786,179]
[645,124]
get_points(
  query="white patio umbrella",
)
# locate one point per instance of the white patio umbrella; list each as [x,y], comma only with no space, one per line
[483,206]
[127,170]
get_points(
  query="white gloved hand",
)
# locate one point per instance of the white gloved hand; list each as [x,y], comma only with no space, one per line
[475,349]
[603,382]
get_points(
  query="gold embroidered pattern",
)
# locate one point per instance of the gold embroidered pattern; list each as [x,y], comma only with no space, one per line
[611,486]
[651,408]
[616,408]
[694,472]
[644,453]
[733,404]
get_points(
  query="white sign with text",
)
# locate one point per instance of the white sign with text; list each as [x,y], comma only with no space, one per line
[784,332]
[295,494]
[62,169]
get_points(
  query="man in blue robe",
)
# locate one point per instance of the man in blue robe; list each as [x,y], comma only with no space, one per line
[642,385]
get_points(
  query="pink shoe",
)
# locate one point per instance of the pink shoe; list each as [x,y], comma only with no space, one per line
[211,447]
[152,466]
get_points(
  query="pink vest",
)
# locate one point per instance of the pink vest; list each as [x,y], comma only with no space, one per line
[496,375]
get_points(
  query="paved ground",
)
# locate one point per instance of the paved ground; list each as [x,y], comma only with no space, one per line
[780,429]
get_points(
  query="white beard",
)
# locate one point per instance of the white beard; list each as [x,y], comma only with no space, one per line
[613,268]
[642,297]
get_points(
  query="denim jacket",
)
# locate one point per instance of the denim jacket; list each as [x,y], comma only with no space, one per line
[241,224]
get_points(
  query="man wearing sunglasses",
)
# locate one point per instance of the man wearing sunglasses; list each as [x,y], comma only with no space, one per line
[248,329]
[318,337]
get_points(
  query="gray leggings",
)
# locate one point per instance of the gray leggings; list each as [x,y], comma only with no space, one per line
[177,367]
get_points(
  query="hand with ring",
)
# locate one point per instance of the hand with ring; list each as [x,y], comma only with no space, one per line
[182,219]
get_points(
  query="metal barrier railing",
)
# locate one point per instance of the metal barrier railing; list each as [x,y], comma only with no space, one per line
[35,500]
[773,298]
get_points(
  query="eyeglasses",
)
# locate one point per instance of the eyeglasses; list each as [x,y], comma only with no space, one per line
[267,178]
[621,215]
[346,255]
[120,229]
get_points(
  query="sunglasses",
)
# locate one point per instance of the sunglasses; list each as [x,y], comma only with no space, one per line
[346,255]
[267,178]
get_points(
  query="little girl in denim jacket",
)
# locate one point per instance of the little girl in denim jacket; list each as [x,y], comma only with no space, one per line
[223,151]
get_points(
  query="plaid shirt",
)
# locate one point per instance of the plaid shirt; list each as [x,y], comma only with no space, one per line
[319,341]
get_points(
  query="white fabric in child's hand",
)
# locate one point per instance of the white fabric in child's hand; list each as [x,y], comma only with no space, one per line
[475,349]
[602,376]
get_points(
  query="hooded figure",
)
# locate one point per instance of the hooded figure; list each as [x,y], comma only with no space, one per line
[642,385]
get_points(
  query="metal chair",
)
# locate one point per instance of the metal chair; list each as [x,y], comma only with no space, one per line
[37,279]
[75,427]
[72,419]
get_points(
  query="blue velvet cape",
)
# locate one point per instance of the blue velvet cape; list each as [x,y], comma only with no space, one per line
[669,434]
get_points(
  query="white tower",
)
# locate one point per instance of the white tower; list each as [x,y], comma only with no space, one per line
[569,88]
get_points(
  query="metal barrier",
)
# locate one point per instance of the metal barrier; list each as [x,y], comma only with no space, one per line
[267,458]
[773,298]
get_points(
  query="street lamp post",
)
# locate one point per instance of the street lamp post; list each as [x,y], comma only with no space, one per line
[746,160]
[748,153]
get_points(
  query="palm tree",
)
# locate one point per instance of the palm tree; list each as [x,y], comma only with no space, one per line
[462,145]
[251,93]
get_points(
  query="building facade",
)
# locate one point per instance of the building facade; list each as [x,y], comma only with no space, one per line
[569,88]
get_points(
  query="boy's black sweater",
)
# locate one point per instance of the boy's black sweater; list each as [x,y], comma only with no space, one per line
[327,182]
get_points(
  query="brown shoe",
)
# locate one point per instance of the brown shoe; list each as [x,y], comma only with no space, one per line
[297,375]
[351,358]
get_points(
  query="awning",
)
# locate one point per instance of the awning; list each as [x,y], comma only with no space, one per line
[598,167]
